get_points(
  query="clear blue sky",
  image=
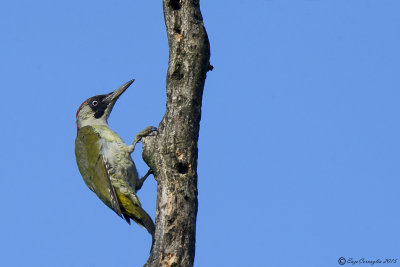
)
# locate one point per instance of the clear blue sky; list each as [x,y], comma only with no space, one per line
[299,145]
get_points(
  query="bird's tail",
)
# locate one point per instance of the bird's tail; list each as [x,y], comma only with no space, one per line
[132,210]
[143,220]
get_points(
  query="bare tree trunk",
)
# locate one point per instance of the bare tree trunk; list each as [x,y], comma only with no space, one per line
[172,153]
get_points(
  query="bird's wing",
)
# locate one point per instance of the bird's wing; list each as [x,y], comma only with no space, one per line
[94,168]
[102,171]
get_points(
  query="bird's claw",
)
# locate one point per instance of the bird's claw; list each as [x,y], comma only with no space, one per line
[141,180]
[148,131]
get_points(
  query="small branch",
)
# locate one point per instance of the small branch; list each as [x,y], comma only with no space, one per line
[172,153]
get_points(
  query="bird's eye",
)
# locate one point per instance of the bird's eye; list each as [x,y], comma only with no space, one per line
[94,103]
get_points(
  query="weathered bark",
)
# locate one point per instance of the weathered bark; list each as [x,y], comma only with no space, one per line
[172,153]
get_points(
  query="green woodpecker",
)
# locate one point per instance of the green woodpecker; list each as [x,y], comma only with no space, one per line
[104,159]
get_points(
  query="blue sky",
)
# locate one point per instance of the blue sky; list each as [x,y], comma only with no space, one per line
[299,145]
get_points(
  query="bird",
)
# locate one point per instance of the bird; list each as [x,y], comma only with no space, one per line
[104,159]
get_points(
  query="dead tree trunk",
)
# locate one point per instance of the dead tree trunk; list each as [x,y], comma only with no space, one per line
[172,153]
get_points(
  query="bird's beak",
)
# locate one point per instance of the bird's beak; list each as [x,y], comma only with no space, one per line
[113,96]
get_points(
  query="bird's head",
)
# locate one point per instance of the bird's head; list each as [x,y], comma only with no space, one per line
[95,110]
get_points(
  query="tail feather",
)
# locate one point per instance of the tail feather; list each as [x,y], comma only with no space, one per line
[144,220]
[131,209]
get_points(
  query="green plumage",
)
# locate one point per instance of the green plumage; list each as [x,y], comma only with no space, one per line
[107,168]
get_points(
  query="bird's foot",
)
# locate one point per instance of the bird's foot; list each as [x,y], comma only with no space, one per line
[148,131]
[141,180]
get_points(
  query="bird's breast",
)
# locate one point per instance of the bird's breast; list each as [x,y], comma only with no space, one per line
[122,169]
